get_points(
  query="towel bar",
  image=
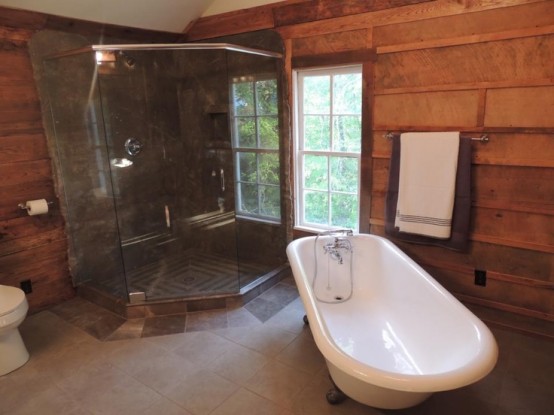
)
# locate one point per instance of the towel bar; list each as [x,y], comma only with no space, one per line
[483,139]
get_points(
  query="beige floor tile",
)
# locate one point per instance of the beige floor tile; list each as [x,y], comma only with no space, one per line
[164,406]
[290,318]
[17,386]
[241,317]
[263,339]
[278,383]
[271,368]
[169,341]
[206,320]
[45,332]
[49,401]
[203,347]
[102,388]
[163,371]
[312,401]
[302,353]
[131,356]
[202,392]
[238,364]
[245,402]
[68,359]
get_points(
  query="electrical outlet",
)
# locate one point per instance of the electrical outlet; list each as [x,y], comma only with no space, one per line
[481,277]
[26,286]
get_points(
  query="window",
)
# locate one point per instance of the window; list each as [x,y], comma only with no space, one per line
[255,124]
[328,147]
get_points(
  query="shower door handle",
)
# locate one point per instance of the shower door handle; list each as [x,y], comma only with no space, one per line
[222,177]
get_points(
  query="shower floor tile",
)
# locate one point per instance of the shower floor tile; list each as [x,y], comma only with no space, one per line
[192,273]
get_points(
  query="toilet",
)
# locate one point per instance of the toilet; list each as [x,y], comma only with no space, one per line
[13,309]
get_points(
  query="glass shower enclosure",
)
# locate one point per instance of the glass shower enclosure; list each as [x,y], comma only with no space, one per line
[146,153]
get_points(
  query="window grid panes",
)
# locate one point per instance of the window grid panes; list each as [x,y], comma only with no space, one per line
[256,147]
[328,147]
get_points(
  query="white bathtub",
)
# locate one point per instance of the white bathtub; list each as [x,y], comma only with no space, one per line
[401,336]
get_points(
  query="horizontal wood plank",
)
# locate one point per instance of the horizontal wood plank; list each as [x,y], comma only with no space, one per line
[527,297]
[510,188]
[12,195]
[467,40]
[469,63]
[19,122]
[18,148]
[16,18]
[30,261]
[525,16]
[437,109]
[336,58]
[309,11]
[19,67]
[25,172]
[31,241]
[418,12]
[531,266]
[502,149]
[524,107]
[19,98]
[335,42]
[516,184]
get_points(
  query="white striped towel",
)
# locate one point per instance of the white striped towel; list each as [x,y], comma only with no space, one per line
[428,164]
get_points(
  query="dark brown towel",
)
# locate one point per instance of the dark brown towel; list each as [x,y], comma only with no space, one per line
[462,203]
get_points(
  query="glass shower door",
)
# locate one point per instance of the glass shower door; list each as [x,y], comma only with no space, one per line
[168,173]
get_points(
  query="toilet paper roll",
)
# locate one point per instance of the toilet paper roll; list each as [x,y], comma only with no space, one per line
[36,207]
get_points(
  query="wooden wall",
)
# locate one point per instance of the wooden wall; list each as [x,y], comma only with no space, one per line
[34,248]
[476,66]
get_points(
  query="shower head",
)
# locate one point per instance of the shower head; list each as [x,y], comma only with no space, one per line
[129,61]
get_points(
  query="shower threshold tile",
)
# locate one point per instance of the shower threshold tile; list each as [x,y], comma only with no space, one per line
[160,326]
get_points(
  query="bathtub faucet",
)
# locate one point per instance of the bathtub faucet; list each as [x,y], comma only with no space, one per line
[334,248]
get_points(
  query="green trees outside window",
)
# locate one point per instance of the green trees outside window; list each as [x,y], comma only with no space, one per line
[328,147]
[256,147]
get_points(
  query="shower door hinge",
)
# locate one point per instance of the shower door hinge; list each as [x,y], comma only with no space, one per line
[137,297]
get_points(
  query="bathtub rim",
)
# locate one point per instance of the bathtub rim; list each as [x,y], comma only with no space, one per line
[479,366]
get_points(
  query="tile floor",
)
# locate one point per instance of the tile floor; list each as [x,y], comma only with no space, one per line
[257,360]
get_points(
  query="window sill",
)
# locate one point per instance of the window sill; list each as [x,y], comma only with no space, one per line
[259,220]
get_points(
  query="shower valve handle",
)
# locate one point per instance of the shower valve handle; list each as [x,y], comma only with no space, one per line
[133,146]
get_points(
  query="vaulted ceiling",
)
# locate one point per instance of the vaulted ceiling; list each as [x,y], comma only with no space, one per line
[165,15]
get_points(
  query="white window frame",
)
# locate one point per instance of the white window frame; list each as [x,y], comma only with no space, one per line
[256,150]
[299,151]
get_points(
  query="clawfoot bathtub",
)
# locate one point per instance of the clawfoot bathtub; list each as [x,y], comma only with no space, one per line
[391,335]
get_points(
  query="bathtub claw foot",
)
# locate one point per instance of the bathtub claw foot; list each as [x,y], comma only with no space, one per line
[335,396]
[305,318]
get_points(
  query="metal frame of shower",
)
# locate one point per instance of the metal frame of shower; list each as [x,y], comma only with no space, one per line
[167,46]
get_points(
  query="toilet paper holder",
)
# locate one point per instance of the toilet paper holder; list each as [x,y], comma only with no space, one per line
[23,206]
